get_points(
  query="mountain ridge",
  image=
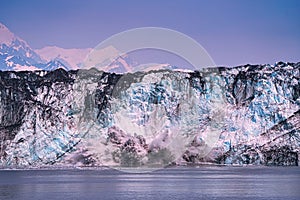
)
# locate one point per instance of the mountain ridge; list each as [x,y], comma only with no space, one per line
[16,54]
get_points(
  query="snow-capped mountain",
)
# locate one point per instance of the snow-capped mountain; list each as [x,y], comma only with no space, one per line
[73,58]
[242,115]
[15,53]
[56,64]
[109,59]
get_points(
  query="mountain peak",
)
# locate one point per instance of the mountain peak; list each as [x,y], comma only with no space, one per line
[6,37]
[15,53]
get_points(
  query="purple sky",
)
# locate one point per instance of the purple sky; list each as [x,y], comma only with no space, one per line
[233,32]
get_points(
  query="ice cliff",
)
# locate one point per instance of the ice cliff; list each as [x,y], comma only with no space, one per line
[243,115]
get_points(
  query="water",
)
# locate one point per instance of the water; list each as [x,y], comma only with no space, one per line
[171,183]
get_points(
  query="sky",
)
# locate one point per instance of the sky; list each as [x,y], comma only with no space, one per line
[234,32]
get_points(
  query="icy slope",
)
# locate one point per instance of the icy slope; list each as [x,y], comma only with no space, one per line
[243,115]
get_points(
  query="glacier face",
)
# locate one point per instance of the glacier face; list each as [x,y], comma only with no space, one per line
[243,115]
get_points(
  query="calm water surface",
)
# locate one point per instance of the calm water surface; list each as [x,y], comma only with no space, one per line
[171,183]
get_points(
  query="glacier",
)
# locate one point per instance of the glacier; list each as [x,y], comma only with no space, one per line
[245,115]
